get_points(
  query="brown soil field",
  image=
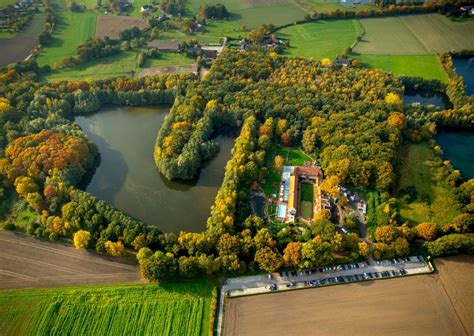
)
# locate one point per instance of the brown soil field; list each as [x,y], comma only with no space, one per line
[438,304]
[16,49]
[112,25]
[26,262]
[457,277]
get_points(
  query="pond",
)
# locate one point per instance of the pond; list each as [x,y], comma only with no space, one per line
[127,176]
[458,147]
[426,98]
[465,67]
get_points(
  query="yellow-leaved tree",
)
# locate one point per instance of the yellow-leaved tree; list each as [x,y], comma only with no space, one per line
[81,238]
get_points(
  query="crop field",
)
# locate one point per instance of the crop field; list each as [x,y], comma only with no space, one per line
[434,201]
[426,66]
[320,39]
[415,35]
[71,30]
[174,309]
[203,39]
[439,304]
[112,25]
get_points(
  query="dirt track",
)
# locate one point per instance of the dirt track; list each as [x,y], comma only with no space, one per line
[417,305]
[27,262]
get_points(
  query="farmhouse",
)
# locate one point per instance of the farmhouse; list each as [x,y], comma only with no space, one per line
[165,46]
[340,61]
[289,203]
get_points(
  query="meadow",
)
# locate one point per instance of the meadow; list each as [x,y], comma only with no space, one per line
[426,66]
[320,39]
[433,200]
[169,309]
[71,30]
[414,35]
[253,13]
[123,64]
[331,6]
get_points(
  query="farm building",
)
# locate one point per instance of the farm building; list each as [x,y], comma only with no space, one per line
[165,46]
[289,202]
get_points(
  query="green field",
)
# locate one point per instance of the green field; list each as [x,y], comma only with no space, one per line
[169,59]
[329,6]
[415,35]
[434,201]
[426,66]
[320,39]
[306,200]
[71,30]
[123,64]
[5,3]
[32,28]
[174,309]
[252,13]
[203,39]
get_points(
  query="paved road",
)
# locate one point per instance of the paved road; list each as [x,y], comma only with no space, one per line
[27,262]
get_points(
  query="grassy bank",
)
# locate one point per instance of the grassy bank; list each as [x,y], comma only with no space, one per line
[432,199]
[170,309]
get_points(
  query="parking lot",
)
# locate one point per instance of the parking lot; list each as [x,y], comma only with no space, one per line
[361,271]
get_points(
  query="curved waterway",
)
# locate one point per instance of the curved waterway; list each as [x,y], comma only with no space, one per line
[458,147]
[127,176]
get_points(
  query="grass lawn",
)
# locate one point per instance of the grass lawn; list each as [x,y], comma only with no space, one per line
[426,66]
[202,38]
[123,64]
[5,3]
[251,13]
[415,35]
[320,39]
[169,59]
[433,201]
[71,30]
[170,309]
[291,156]
[306,200]
[328,6]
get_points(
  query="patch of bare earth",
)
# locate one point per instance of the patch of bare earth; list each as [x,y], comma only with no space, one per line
[457,277]
[113,25]
[16,49]
[417,305]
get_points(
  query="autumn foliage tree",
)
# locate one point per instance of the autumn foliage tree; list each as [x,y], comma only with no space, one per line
[268,259]
[81,239]
[426,231]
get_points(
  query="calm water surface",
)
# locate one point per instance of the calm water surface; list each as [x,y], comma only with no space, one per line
[127,177]
[458,147]
[426,98]
[465,68]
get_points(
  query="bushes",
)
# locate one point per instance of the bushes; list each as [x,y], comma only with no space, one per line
[451,244]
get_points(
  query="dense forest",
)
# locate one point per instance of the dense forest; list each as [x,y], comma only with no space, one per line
[350,120]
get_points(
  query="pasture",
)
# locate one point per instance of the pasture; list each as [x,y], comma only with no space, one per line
[171,309]
[253,13]
[415,35]
[426,66]
[322,6]
[432,200]
[320,39]
[438,304]
[123,64]
[112,25]
[71,30]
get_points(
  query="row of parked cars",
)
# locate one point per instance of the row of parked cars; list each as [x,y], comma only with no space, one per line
[396,261]
[328,269]
[342,279]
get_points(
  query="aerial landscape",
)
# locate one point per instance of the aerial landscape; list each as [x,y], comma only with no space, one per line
[225,167]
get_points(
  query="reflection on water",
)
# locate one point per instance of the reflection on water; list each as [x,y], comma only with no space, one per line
[458,147]
[465,68]
[127,177]
[426,98]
